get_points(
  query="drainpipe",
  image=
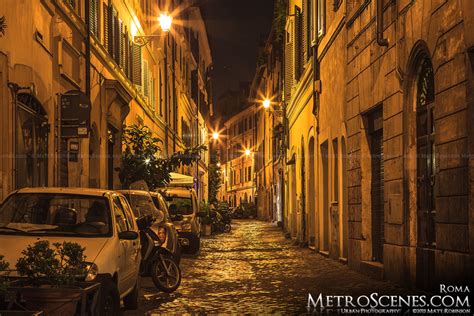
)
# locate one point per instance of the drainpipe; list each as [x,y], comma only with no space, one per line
[380,39]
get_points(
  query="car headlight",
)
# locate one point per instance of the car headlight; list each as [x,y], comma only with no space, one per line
[162,234]
[92,270]
[186,227]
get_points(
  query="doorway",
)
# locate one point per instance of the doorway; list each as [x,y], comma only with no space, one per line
[375,124]
[311,194]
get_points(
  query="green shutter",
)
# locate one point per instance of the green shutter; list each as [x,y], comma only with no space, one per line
[136,64]
[106,26]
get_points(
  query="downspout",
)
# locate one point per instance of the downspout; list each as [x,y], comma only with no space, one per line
[316,91]
[380,39]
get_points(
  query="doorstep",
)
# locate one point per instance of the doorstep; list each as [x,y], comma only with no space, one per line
[373,269]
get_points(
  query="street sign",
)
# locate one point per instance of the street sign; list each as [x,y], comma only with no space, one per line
[75,114]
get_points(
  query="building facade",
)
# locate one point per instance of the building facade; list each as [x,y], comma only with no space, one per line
[161,82]
[237,158]
[378,99]
[269,147]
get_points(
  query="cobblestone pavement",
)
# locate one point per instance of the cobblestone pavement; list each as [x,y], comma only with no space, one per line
[254,269]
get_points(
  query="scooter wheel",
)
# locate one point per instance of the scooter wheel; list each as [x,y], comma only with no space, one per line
[227,228]
[166,274]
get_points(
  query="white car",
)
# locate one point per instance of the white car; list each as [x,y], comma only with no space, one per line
[101,221]
[183,201]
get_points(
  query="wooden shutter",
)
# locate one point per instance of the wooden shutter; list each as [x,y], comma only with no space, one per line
[127,53]
[304,39]
[110,31]
[136,64]
[117,26]
[289,61]
[146,79]
[122,45]
[106,26]
[298,43]
[92,17]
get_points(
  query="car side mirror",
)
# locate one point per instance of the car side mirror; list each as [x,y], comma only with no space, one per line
[128,235]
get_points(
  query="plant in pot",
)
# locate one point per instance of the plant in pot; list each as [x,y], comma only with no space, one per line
[206,221]
[50,274]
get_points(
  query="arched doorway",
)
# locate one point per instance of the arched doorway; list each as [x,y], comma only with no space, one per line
[425,173]
[303,192]
[311,194]
[31,142]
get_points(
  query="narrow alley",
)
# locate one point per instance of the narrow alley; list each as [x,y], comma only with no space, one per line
[254,269]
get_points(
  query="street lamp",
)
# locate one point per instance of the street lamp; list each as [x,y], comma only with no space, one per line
[165,22]
[266,103]
[247,152]
[215,135]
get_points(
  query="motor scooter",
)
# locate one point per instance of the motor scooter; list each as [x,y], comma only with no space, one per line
[157,261]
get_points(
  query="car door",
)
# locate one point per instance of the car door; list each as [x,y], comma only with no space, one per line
[123,224]
[135,257]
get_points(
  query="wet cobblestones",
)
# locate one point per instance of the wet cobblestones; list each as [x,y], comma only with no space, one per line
[254,269]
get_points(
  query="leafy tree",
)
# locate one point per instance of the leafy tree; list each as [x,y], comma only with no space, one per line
[141,159]
[4,272]
[214,183]
[279,20]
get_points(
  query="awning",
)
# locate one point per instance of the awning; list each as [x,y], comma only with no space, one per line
[178,179]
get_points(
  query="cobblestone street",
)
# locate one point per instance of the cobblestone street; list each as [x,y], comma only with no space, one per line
[254,269]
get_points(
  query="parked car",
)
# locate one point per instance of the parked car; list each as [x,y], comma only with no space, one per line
[142,204]
[101,221]
[183,201]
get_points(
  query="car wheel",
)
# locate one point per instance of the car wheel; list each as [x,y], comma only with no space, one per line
[166,274]
[110,298]
[131,300]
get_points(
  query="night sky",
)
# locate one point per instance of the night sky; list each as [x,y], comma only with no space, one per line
[235,29]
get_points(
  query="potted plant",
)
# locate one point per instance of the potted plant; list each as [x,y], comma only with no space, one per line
[50,274]
[206,221]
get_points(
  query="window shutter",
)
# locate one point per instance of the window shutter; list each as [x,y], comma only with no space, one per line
[146,79]
[122,46]
[136,64]
[117,26]
[304,39]
[106,26]
[92,16]
[289,61]
[298,43]
[110,31]
[127,53]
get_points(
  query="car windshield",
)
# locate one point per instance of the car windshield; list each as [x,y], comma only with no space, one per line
[180,205]
[161,205]
[143,205]
[55,214]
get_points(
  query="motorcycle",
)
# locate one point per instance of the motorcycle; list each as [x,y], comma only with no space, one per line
[219,224]
[157,261]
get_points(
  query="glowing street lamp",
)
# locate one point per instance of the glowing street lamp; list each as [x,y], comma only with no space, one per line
[247,152]
[218,165]
[165,22]
[215,135]
[266,103]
